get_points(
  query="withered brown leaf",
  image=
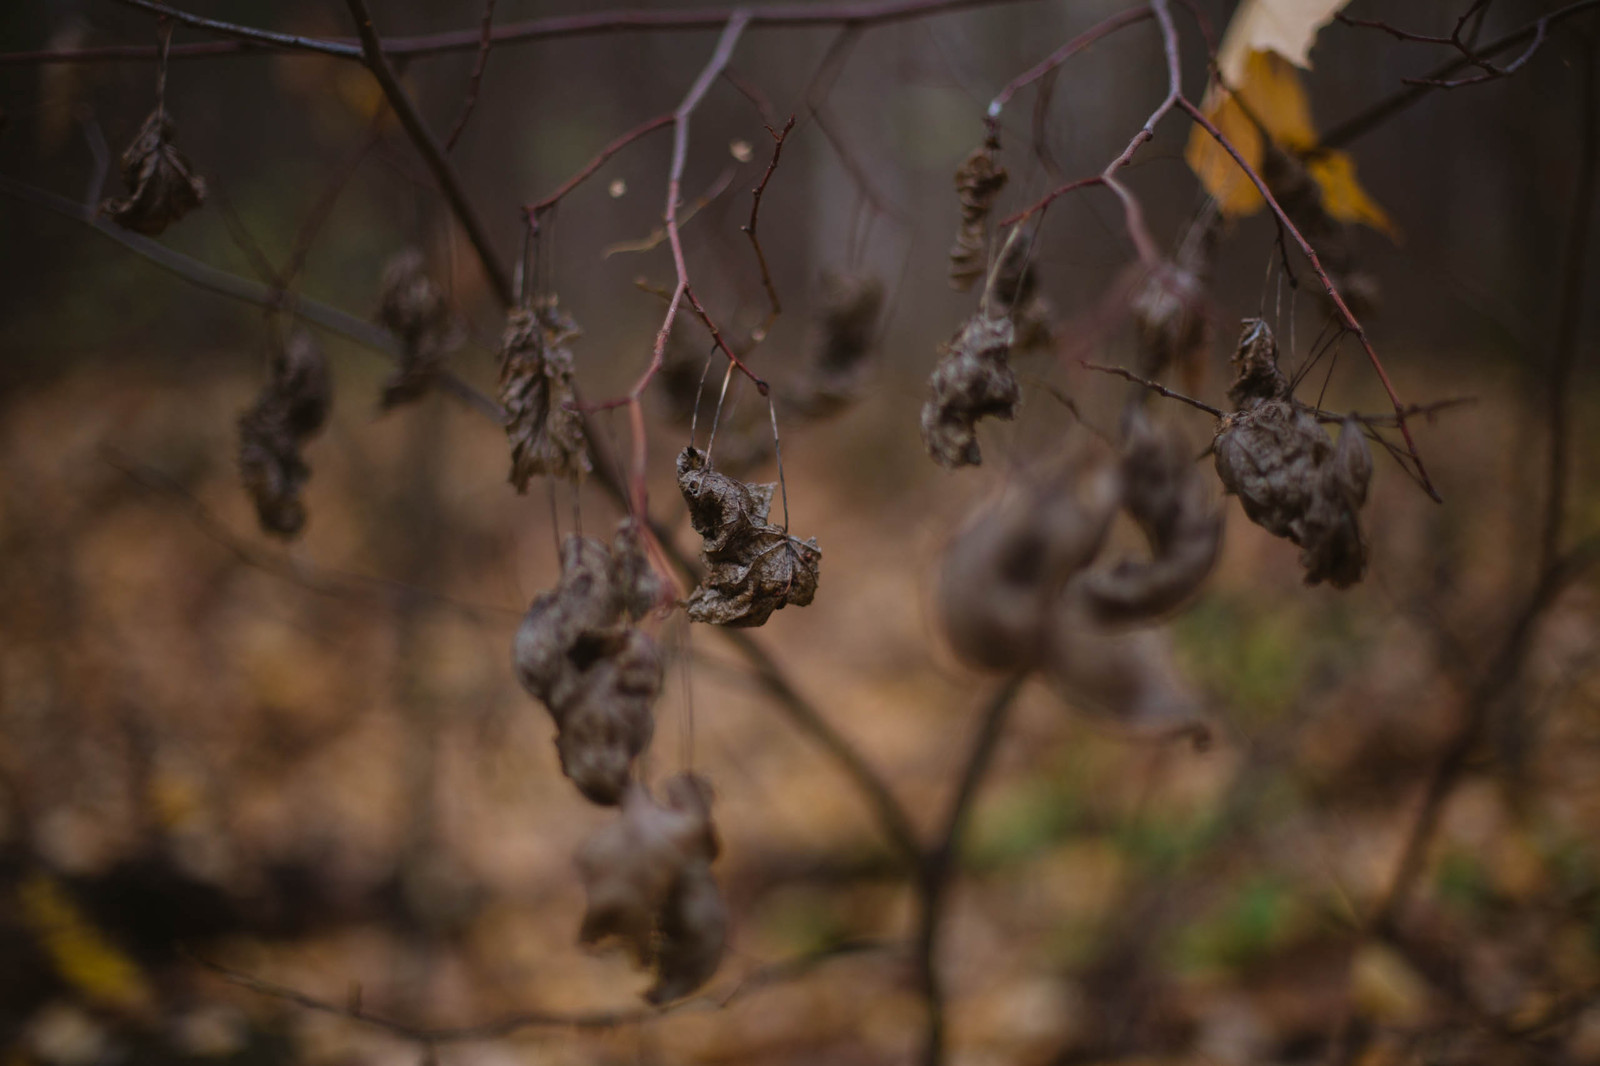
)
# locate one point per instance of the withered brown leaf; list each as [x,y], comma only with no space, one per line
[542,423]
[1169,319]
[848,317]
[973,380]
[647,878]
[1165,493]
[752,567]
[1003,571]
[978,181]
[292,407]
[1292,481]
[162,185]
[415,310]
[597,675]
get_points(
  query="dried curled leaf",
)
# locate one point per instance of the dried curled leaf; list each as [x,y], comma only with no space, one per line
[978,182]
[752,567]
[1003,571]
[162,185]
[973,380]
[1016,287]
[1131,676]
[1168,312]
[1292,481]
[1164,492]
[416,311]
[597,675]
[647,878]
[291,409]
[849,319]
[542,423]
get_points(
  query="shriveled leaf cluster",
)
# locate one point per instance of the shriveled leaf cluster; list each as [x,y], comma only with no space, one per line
[753,568]
[162,185]
[1019,591]
[415,310]
[1291,478]
[291,409]
[542,422]
[978,182]
[973,380]
[647,876]
[598,674]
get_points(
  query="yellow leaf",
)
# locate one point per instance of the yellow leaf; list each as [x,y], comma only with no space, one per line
[1342,196]
[1268,95]
[82,956]
[1286,27]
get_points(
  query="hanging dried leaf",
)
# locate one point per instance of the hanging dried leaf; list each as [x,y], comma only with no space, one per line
[978,182]
[973,380]
[647,877]
[1016,288]
[1128,675]
[1164,492]
[416,311]
[598,676]
[1304,199]
[1003,571]
[850,307]
[1168,311]
[162,186]
[291,409]
[542,422]
[1283,466]
[752,567]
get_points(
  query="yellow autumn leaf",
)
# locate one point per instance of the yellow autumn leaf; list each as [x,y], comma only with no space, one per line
[1262,91]
[83,957]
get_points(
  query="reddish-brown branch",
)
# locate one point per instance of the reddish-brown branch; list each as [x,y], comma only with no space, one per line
[247,38]
[778,137]
[535,209]
[475,79]
[1061,55]
[1345,315]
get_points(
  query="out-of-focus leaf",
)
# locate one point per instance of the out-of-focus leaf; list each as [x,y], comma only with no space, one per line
[1261,91]
[82,956]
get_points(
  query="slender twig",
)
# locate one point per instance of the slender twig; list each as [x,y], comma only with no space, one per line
[242,289]
[939,860]
[1155,387]
[1569,317]
[1061,55]
[475,79]
[539,207]
[1375,115]
[247,38]
[432,152]
[749,228]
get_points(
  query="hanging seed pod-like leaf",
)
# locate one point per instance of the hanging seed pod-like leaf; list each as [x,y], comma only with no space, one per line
[542,422]
[973,380]
[1003,571]
[416,311]
[291,409]
[1016,288]
[849,323]
[752,567]
[1130,676]
[978,182]
[597,675]
[1168,316]
[1291,480]
[1165,493]
[162,185]
[647,878]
